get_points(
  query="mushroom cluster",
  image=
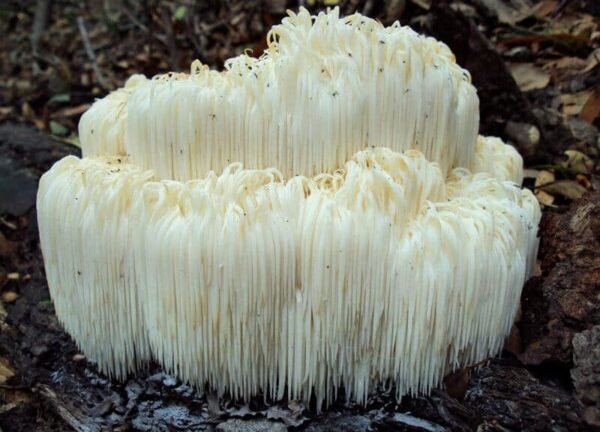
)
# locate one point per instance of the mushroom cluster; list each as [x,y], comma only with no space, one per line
[324,216]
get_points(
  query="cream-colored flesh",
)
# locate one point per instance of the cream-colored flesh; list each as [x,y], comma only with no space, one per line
[383,270]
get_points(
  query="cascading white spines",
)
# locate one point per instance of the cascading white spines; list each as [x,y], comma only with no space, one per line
[322,217]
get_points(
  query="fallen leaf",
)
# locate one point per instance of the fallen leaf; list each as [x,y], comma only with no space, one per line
[9,224]
[5,111]
[592,61]
[7,247]
[424,4]
[528,76]
[180,13]
[545,8]
[572,103]
[509,12]
[9,296]
[591,108]
[568,67]
[584,181]
[583,24]
[564,68]
[58,129]
[530,173]
[30,115]
[27,111]
[8,407]
[60,98]
[544,198]
[6,371]
[578,161]
[569,189]
[456,383]
[71,111]
[542,178]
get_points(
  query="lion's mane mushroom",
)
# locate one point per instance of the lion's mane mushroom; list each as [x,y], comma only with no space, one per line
[324,216]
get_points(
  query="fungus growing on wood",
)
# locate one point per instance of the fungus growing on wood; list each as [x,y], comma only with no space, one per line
[322,217]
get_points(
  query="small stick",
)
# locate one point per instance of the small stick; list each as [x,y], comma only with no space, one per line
[72,418]
[40,23]
[91,55]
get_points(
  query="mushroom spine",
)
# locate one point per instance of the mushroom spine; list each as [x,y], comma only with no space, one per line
[322,216]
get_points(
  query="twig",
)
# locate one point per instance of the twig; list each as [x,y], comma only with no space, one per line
[40,23]
[161,38]
[91,55]
[74,419]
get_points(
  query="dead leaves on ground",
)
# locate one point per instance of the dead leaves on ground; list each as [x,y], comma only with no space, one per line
[552,50]
[570,180]
[6,371]
[546,44]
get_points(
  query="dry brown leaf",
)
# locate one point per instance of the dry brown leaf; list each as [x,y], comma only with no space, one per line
[578,161]
[424,4]
[5,111]
[564,68]
[456,383]
[27,111]
[70,111]
[6,371]
[592,61]
[511,11]
[572,103]
[9,296]
[530,173]
[545,8]
[582,24]
[569,189]
[544,198]
[591,108]
[566,63]
[542,178]
[584,181]
[528,76]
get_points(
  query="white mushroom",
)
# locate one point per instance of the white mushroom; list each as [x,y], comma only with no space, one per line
[325,89]
[402,261]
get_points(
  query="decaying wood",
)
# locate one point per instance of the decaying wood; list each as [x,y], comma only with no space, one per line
[564,299]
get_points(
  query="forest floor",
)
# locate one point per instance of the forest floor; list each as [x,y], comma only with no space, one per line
[536,68]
